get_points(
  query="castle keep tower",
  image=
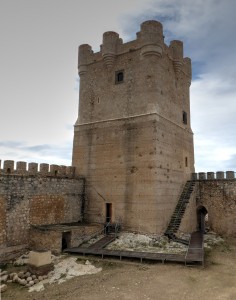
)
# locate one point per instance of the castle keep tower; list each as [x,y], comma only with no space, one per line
[132,140]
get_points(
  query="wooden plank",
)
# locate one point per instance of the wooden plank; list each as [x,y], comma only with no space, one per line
[130,254]
[195,252]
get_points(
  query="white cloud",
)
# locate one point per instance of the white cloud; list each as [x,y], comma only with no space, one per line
[213,121]
[44,153]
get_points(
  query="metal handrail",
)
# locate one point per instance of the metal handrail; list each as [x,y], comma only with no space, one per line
[85,237]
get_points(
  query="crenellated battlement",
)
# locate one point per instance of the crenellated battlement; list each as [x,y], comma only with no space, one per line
[10,167]
[149,41]
[213,175]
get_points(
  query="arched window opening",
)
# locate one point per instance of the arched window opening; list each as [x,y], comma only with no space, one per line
[119,77]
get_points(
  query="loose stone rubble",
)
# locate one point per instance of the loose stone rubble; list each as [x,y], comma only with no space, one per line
[145,243]
[3,288]
[69,268]
[24,278]
[65,268]
[211,239]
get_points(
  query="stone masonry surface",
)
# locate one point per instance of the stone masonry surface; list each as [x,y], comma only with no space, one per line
[132,139]
[219,198]
[27,200]
[133,144]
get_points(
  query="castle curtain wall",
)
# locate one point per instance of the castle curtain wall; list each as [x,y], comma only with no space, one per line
[27,200]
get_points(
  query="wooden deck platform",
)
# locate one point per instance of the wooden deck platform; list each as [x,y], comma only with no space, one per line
[163,257]
[195,252]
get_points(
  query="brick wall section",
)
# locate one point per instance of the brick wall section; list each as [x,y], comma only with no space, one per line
[42,209]
[45,240]
[29,200]
[219,198]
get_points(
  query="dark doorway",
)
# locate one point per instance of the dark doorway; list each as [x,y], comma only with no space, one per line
[66,240]
[202,213]
[108,212]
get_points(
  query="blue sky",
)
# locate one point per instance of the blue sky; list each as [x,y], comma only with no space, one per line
[38,70]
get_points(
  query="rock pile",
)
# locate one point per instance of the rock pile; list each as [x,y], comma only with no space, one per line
[211,239]
[23,278]
[144,243]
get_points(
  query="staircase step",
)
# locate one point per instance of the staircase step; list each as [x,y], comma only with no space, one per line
[180,208]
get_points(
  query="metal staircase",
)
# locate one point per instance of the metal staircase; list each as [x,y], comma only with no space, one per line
[112,228]
[179,212]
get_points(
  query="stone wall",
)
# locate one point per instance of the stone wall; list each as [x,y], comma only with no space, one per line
[136,165]
[51,238]
[219,198]
[45,240]
[133,140]
[152,82]
[189,221]
[40,204]
[38,199]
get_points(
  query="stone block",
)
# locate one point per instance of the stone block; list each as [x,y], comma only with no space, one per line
[220,175]
[202,176]
[40,258]
[194,176]
[210,175]
[230,175]
[32,168]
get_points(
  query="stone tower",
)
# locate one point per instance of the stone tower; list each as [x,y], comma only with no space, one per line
[132,140]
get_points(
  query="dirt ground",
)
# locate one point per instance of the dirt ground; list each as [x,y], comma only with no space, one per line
[154,281]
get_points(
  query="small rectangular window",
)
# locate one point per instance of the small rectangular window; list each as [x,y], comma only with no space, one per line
[119,76]
[185,119]
[186,161]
